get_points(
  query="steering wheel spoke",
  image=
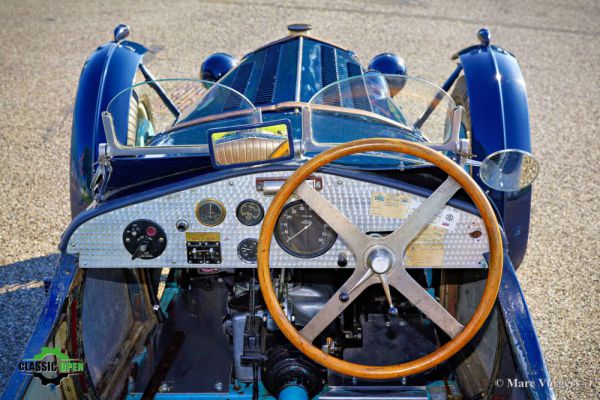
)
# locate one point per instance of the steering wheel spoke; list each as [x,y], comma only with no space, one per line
[418,220]
[379,260]
[420,298]
[354,238]
[360,279]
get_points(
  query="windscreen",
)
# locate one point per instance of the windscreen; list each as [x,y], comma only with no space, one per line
[377,105]
[176,112]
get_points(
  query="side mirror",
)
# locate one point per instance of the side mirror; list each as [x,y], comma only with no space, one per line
[251,144]
[509,170]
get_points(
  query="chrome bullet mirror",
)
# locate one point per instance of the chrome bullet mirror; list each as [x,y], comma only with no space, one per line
[509,170]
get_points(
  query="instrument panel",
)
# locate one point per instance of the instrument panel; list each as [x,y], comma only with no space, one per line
[219,224]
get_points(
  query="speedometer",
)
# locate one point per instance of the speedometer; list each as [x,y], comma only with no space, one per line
[302,233]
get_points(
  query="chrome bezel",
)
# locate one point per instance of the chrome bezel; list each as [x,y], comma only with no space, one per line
[219,205]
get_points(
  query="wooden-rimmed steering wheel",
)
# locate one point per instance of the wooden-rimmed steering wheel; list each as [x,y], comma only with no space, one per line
[380,259]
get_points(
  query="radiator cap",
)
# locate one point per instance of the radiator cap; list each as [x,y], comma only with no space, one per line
[295,29]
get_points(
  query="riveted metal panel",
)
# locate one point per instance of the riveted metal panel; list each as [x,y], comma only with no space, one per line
[99,240]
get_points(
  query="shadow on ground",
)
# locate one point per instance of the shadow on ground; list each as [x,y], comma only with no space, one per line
[22,297]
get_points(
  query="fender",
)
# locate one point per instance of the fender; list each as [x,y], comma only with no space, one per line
[522,336]
[58,293]
[109,70]
[500,120]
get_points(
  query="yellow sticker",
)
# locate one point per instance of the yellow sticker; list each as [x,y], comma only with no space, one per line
[424,255]
[202,237]
[431,235]
[391,205]
[428,248]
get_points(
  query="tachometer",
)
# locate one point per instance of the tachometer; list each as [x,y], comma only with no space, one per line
[302,233]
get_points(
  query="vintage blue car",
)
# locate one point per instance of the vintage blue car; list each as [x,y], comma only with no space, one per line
[294,225]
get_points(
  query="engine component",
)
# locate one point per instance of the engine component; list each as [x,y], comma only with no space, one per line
[203,247]
[144,239]
[307,299]
[254,341]
[302,233]
[242,372]
[210,212]
[250,212]
[247,250]
[286,366]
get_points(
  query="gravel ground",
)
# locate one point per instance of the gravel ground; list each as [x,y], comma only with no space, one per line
[43,47]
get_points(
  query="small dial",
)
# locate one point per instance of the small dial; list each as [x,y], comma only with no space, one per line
[144,239]
[210,212]
[247,250]
[302,233]
[250,212]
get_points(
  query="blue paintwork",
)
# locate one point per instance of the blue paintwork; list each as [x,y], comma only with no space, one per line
[241,391]
[215,66]
[388,63]
[283,56]
[293,392]
[521,334]
[57,295]
[499,116]
[109,70]
[500,120]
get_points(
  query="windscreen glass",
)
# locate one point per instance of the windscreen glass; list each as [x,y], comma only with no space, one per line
[176,112]
[377,105]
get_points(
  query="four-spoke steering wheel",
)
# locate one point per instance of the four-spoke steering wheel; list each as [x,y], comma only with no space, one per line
[379,260]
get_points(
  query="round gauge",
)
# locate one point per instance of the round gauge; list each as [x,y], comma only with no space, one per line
[210,212]
[302,233]
[247,250]
[250,212]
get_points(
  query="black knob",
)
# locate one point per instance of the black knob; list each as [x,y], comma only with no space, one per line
[344,297]
[182,225]
[342,260]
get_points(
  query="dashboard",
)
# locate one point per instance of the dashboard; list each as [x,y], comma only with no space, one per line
[217,226]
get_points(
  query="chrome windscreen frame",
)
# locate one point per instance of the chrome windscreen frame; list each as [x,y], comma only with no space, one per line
[115,149]
[453,144]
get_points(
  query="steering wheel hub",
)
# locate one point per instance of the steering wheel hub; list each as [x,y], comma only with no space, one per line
[380,259]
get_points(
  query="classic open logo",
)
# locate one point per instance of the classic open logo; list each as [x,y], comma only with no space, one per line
[51,365]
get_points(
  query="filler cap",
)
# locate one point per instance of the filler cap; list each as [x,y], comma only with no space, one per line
[299,28]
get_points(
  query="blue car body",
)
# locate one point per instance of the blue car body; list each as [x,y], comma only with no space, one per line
[499,118]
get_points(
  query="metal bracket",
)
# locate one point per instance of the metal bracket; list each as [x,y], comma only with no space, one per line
[102,172]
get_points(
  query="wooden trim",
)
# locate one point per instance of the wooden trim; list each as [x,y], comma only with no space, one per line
[441,354]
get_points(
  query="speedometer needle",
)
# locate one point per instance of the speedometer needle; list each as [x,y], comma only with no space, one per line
[299,232]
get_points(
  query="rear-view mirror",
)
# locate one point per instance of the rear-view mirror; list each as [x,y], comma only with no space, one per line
[251,144]
[509,170]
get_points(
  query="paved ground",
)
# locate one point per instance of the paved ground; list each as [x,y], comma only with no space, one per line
[43,47]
